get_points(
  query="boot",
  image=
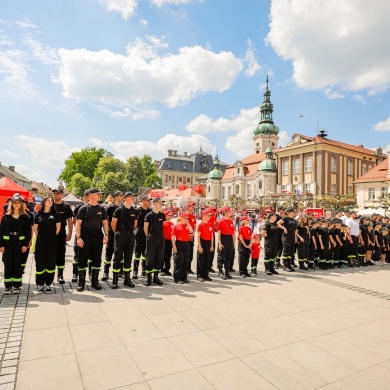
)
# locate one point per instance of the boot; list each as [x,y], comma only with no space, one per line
[60,276]
[356,261]
[221,274]
[114,284]
[227,274]
[75,273]
[81,284]
[254,271]
[89,271]
[292,263]
[272,268]
[148,280]
[95,280]
[267,268]
[302,265]
[143,264]
[287,266]
[106,272]
[277,262]
[128,282]
[156,280]
[135,270]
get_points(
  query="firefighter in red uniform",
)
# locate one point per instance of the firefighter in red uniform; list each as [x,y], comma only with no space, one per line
[225,238]
[244,245]
[205,242]
[192,220]
[167,232]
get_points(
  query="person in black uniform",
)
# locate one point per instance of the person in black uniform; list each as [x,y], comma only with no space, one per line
[289,227]
[271,237]
[66,215]
[31,216]
[363,241]
[140,238]
[75,246]
[323,240]
[153,229]
[337,236]
[303,242]
[124,221]
[110,243]
[15,236]
[280,214]
[313,242]
[90,220]
[47,224]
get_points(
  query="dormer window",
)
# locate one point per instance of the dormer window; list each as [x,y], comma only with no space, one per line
[170,165]
[184,167]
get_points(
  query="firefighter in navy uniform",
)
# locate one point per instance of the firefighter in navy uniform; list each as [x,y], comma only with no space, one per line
[76,248]
[66,215]
[31,216]
[279,216]
[110,243]
[289,226]
[271,237]
[90,238]
[153,229]
[123,224]
[140,238]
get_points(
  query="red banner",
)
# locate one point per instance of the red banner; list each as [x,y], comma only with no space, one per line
[316,212]
[157,194]
[182,187]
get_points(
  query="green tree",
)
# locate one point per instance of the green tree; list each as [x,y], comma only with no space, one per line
[148,164]
[336,201]
[79,183]
[113,181]
[384,201]
[85,162]
[109,164]
[153,181]
[135,173]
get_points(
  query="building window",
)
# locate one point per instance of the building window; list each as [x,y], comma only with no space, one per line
[223,192]
[229,191]
[237,189]
[350,189]
[350,168]
[169,179]
[364,169]
[238,171]
[284,188]
[260,184]
[307,187]
[369,167]
[296,166]
[384,190]
[209,189]
[170,166]
[249,191]
[285,168]
[371,193]
[333,189]
[333,166]
[308,164]
[173,178]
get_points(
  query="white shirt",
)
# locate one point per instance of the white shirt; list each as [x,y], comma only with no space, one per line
[353,225]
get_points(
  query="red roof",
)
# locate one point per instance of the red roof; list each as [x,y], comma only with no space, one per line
[251,164]
[378,173]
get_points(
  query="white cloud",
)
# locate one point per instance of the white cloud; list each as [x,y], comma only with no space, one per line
[202,124]
[127,112]
[144,76]
[9,153]
[144,22]
[331,94]
[333,44]
[252,66]
[383,125]
[159,149]
[25,24]
[161,3]
[43,53]
[125,7]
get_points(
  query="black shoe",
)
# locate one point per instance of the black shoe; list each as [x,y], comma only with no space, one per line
[302,266]
[105,273]
[128,282]
[272,268]
[95,280]
[208,279]
[186,281]
[248,275]
[212,270]
[74,278]
[148,281]
[143,273]
[156,280]
[232,270]
[267,268]
[60,276]
[190,272]
[115,278]
[228,276]
[221,275]
[167,273]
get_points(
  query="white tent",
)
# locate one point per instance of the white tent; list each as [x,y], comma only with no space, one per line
[72,200]
[370,211]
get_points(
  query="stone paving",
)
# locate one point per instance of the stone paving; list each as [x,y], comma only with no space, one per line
[306,330]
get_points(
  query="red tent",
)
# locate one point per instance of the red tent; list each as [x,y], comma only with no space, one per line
[7,189]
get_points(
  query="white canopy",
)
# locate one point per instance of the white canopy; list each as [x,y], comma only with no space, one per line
[370,211]
[72,200]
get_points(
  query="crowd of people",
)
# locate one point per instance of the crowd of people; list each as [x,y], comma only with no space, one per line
[144,239]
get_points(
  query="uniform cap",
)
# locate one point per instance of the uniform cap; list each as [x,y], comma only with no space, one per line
[189,204]
[60,190]
[118,193]
[168,212]
[184,215]
[225,209]
[127,194]
[207,212]
[145,197]
[94,191]
[157,200]
[290,210]
[244,218]
[16,198]
[86,193]
[256,236]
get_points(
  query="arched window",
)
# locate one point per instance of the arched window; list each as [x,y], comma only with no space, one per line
[249,191]
[308,164]
[260,184]
[209,189]
[237,189]
[333,165]
[296,166]
[170,166]
[350,168]
[285,167]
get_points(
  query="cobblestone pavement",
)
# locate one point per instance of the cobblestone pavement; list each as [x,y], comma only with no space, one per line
[302,330]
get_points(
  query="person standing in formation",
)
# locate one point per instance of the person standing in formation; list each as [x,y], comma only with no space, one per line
[118,195]
[153,229]
[303,243]
[47,225]
[213,221]
[31,216]
[205,243]
[167,231]
[271,244]
[289,226]
[15,236]
[76,247]
[66,215]
[140,238]
[280,215]
[91,218]
[244,246]
[123,224]
[192,219]
[225,238]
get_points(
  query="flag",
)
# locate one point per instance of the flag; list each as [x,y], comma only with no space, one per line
[298,192]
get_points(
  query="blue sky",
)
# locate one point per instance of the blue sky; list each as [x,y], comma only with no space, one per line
[145,76]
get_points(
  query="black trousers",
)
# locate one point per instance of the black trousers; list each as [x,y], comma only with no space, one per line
[124,242]
[243,257]
[191,253]
[140,246]
[92,249]
[154,252]
[167,256]
[61,249]
[203,259]
[181,259]
[109,248]
[226,255]
[303,250]
[271,248]
[288,241]
[45,262]
[12,259]
[212,255]
[353,250]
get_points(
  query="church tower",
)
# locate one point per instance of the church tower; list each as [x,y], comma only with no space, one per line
[266,133]
[213,185]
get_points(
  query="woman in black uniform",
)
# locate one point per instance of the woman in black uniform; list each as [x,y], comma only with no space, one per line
[271,237]
[303,243]
[47,225]
[15,236]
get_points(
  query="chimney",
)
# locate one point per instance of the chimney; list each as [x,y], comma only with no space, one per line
[169,152]
[174,153]
[185,154]
[12,168]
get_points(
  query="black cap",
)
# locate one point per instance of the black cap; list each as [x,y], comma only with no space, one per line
[127,194]
[290,210]
[94,191]
[16,198]
[145,197]
[281,208]
[86,193]
[336,220]
[117,193]
[347,211]
[60,190]
[157,200]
